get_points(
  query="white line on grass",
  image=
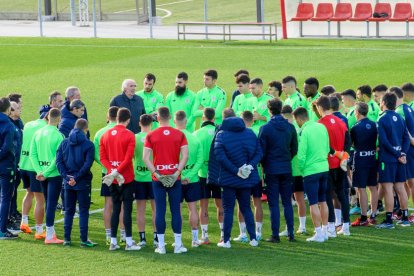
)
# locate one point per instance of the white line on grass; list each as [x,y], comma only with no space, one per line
[230,47]
[160,5]
[168,13]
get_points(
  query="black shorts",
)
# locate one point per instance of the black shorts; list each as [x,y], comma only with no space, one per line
[298,184]
[257,190]
[105,189]
[191,192]
[30,181]
[363,177]
[143,190]
[208,190]
[392,173]
[122,193]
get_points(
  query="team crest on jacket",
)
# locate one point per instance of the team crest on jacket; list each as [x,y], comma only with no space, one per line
[153,100]
[114,132]
[368,126]
[332,121]
[166,132]
[394,118]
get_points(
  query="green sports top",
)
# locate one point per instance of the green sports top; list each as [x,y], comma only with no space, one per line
[43,150]
[141,172]
[296,100]
[352,120]
[152,101]
[184,102]
[373,110]
[241,103]
[28,132]
[214,98]
[312,114]
[295,164]
[97,139]
[260,106]
[205,136]
[195,158]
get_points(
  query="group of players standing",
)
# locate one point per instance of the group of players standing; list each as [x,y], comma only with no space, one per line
[308,145]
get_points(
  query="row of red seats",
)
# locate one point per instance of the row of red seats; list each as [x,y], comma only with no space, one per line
[403,12]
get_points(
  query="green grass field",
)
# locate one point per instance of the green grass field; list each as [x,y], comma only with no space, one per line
[35,67]
[181,10]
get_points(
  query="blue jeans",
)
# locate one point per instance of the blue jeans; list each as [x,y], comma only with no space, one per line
[6,193]
[83,197]
[174,198]
[280,184]
[51,188]
[229,197]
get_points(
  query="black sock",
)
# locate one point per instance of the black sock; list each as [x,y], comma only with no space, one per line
[364,218]
[358,202]
[388,217]
[399,212]
[155,236]
[405,214]
[142,236]
[373,215]
[379,203]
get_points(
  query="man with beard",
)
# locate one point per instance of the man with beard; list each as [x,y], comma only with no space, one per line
[55,101]
[310,88]
[152,98]
[181,98]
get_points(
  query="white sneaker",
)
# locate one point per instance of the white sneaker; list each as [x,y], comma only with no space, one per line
[315,238]
[258,236]
[301,231]
[344,232]
[325,235]
[179,250]
[113,247]
[224,244]
[160,250]
[132,247]
[195,244]
[331,234]
[284,233]
[369,213]
[241,238]
[142,243]
[254,243]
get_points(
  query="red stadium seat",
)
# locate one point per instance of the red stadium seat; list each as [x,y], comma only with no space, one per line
[381,8]
[304,12]
[343,12]
[403,13]
[324,12]
[363,11]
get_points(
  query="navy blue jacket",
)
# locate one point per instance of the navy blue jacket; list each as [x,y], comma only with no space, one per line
[392,136]
[75,157]
[135,105]
[340,116]
[279,143]
[68,120]
[7,145]
[233,97]
[364,140]
[236,145]
[213,164]
[18,125]
[44,109]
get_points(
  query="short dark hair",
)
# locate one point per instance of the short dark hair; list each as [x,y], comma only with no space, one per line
[289,79]
[349,92]
[76,104]
[4,104]
[81,124]
[256,81]
[324,102]
[54,113]
[287,109]
[247,116]
[112,112]
[301,113]
[54,95]
[209,113]
[182,75]
[408,87]
[380,88]
[14,97]
[275,106]
[123,115]
[243,79]
[390,100]
[145,120]
[312,81]
[163,113]
[328,90]
[277,85]
[180,116]
[362,108]
[337,95]
[365,90]
[211,73]
[228,112]
[397,91]
[150,76]
[240,72]
[334,102]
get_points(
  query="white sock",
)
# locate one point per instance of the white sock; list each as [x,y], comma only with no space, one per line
[108,233]
[221,230]
[25,219]
[114,241]
[318,231]
[194,233]
[123,234]
[259,228]
[331,226]
[128,241]
[338,217]
[204,231]
[39,228]
[302,222]
[177,240]
[324,229]
[161,242]
[345,226]
[242,226]
[49,232]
